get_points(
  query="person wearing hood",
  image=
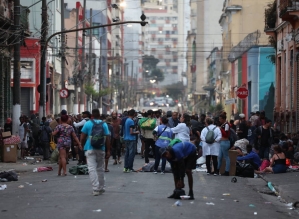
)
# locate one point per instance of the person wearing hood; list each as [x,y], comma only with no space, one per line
[45,134]
[8,125]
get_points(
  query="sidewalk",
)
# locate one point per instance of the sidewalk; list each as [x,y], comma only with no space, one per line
[286,184]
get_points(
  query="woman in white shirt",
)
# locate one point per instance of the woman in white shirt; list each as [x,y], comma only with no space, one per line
[182,130]
[211,151]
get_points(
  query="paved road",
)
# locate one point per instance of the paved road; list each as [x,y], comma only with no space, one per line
[136,195]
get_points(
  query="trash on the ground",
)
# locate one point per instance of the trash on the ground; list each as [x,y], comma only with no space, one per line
[236,201]
[226,194]
[184,197]
[289,204]
[28,183]
[21,186]
[191,203]
[45,180]
[10,175]
[210,203]
[177,203]
[252,206]
[3,180]
[2,187]
[29,158]
[255,213]
[272,188]
[205,197]
[99,210]
[268,203]
[24,164]
[134,181]
[296,205]
[42,169]
[234,180]
[222,199]
[75,176]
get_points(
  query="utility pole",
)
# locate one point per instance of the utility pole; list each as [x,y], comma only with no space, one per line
[17,72]
[43,84]
[76,102]
[100,77]
[82,96]
[131,95]
[89,98]
[62,100]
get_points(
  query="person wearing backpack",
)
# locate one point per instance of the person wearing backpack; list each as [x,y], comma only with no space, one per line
[225,144]
[45,139]
[210,137]
[93,138]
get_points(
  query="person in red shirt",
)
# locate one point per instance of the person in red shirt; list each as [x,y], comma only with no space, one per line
[224,144]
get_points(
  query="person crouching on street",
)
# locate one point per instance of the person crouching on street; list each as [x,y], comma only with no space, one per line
[182,157]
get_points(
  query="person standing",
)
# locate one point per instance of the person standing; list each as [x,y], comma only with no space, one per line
[182,130]
[173,121]
[148,137]
[95,154]
[65,134]
[79,125]
[224,144]
[45,134]
[23,133]
[264,139]
[130,142]
[116,146]
[211,150]
[110,127]
[182,157]
[243,128]
[164,136]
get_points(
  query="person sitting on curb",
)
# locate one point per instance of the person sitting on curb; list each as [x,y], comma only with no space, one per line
[182,157]
[252,158]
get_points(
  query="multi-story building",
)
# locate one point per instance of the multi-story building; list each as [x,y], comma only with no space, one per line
[283,26]
[164,38]
[240,22]
[208,36]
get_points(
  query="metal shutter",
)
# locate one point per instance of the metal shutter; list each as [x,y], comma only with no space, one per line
[25,101]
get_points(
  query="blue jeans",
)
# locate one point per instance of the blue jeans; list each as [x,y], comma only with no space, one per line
[223,153]
[264,152]
[157,159]
[130,154]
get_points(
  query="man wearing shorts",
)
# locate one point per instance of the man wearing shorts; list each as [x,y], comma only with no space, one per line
[182,157]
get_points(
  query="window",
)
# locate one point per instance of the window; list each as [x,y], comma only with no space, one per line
[96,31]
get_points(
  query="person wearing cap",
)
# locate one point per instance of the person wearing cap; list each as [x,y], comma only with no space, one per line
[182,158]
[8,125]
[79,125]
[243,128]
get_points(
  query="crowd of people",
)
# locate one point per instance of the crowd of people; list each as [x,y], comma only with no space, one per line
[177,138]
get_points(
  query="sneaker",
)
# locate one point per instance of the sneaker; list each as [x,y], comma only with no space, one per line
[162,173]
[225,173]
[98,192]
[155,172]
[74,159]
[125,170]
[172,196]
[208,173]
[215,174]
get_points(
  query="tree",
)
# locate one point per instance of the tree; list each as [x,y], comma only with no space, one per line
[89,90]
[149,62]
[175,90]
[157,74]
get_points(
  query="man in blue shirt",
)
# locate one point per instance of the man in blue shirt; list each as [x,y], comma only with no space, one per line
[182,157]
[95,157]
[130,142]
[251,157]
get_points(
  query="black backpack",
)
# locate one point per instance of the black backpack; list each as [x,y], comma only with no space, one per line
[233,137]
[97,135]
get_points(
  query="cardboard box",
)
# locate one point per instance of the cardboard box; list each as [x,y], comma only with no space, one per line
[9,153]
[233,161]
[6,134]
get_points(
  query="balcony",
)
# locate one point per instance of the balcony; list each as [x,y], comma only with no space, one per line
[289,10]
[270,19]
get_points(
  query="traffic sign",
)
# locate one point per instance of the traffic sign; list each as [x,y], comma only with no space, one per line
[242,92]
[64,93]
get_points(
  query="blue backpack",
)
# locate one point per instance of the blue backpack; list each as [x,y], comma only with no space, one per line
[97,135]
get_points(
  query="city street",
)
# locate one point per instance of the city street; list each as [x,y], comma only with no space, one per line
[137,195]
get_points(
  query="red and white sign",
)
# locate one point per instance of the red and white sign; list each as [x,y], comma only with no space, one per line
[64,93]
[242,92]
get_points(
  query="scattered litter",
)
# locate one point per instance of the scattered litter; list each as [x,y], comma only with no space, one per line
[42,169]
[205,197]
[255,213]
[134,181]
[21,186]
[272,188]
[252,206]
[226,194]
[234,180]
[184,197]
[222,199]
[3,180]
[177,203]
[289,204]
[29,158]
[99,210]
[28,183]
[2,187]
[24,164]
[44,180]
[210,203]
[268,203]
[236,201]
[75,176]
[191,203]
